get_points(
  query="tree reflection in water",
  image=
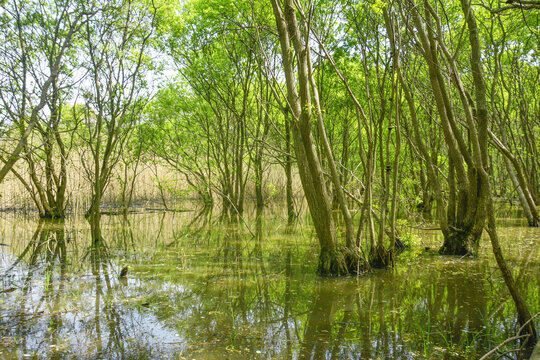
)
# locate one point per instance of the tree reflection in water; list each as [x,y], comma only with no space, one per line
[206,287]
[57,313]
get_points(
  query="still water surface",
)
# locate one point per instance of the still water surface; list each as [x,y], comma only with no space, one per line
[201,288]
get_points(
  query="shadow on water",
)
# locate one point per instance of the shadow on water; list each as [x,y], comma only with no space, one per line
[204,287]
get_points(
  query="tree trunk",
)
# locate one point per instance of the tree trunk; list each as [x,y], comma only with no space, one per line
[288,173]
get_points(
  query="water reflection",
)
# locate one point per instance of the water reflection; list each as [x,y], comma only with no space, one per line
[43,258]
[58,310]
[205,287]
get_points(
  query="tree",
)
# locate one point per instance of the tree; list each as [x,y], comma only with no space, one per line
[36,39]
[217,63]
[481,160]
[470,202]
[333,258]
[178,123]
[117,44]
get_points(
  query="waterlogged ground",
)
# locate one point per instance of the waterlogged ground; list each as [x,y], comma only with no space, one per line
[198,288]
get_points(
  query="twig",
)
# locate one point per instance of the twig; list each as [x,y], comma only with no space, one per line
[494,350]
[517,337]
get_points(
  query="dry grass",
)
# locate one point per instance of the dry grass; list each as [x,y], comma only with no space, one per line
[153,182]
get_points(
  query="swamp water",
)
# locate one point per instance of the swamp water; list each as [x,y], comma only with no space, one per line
[198,288]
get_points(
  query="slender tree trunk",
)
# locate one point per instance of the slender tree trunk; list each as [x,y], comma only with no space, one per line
[258,179]
[95,215]
[288,174]
[327,149]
